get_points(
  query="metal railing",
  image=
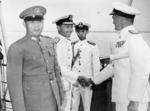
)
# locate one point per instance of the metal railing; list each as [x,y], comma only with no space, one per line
[5,103]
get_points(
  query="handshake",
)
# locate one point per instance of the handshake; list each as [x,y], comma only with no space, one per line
[105,61]
[85,82]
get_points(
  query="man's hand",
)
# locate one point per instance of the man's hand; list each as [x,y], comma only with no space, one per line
[133,106]
[85,82]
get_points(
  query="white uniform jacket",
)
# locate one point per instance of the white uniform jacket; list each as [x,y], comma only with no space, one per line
[121,64]
[139,53]
[65,55]
[121,69]
[131,61]
[87,62]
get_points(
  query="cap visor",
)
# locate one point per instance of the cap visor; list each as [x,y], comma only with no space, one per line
[67,23]
[112,13]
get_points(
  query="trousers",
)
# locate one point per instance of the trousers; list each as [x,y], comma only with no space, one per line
[85,94]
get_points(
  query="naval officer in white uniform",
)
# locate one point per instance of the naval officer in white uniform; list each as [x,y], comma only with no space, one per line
[87,62]
[64,55]
[130,89]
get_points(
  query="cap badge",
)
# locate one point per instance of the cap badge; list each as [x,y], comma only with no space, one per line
[36,10]
[80,24]
[70,17]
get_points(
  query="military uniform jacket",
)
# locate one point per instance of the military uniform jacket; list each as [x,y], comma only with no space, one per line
[139,54]
[131,68]
[29,73]
[88,60]
[64,55]
[121,67]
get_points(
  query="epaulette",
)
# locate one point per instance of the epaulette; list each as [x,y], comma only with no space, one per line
[46,37]
[133,32]
[56,39]
[92,43]
[73,43]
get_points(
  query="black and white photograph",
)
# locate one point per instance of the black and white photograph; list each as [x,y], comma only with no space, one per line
[74,55]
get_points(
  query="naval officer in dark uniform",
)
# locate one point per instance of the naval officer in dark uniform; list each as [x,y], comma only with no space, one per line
[33,73]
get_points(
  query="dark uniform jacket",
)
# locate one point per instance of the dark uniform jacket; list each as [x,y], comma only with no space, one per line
[29,72]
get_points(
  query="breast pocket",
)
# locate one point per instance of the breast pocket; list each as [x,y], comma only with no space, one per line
[34,58]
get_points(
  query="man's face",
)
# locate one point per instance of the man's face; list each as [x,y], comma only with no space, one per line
[117,22]
[34,28]
[82,34]
[65,30]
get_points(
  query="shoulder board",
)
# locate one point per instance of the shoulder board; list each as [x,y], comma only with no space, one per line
[46,37]
[22,40]
[133,32]
[73,43]
[56,39]
[92,43]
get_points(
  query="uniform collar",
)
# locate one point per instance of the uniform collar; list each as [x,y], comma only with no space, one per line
[32,38]
[63,38]
[123,33]
[36,39]
[83,41]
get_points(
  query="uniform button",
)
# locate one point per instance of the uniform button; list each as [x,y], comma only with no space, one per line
[50,76]
[79,71]
[79,63]
[28,88]
[47,61]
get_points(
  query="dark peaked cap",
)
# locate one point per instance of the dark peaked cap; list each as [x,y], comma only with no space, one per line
[34,12]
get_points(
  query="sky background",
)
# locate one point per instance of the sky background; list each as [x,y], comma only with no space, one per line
[94,12]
